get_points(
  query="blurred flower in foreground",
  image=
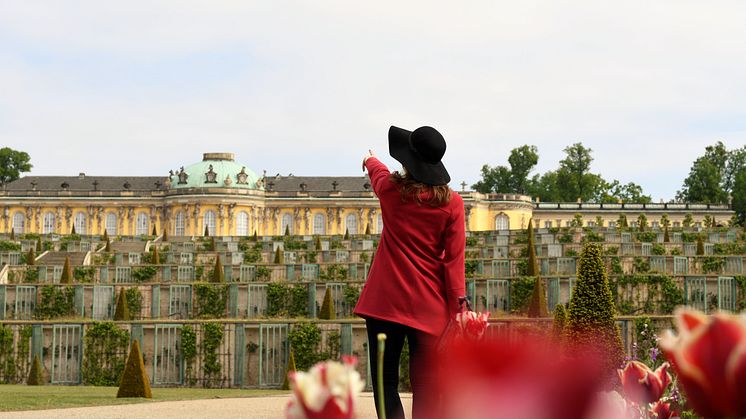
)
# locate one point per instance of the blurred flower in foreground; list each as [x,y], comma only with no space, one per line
[641,384]
[709,356]
[524,378]
[328,391]
[611,405]
[663,410]
[472,324]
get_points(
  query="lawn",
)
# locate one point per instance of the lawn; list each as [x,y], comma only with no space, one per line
[22,397]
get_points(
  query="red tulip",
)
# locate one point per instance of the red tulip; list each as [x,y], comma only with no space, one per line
[472,324]
[643,385]
[328,391]
[662,410]
[709,356]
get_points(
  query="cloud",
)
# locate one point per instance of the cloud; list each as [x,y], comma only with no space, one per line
[307,87]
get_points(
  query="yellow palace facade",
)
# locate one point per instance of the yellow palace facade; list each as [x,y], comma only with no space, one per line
[220,196]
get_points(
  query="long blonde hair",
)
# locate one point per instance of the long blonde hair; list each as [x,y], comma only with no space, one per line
[409,187]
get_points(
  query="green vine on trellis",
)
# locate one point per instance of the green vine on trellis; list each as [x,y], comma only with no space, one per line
[104,355]
[211,300]
[134,302]
[212,338]
[189,351]
[286,300]
[55,302]
[14,365]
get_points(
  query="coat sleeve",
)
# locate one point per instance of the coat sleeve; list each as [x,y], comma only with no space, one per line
[455,244]
[378,173]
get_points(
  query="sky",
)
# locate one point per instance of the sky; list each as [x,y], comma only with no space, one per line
[307,87]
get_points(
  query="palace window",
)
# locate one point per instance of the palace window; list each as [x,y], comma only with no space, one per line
[111,224]
[655,224]
[19,222]
[612,224]
[380,223]
[141,227]
[209,222]
[547,224]
[179,224]
[502,222]
[242,224]
[80,223]
[591,223]
[319,224]
[287,224]
[49,223]
[351,223]
[677,224]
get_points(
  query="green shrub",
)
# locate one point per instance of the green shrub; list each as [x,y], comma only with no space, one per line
[520,293]
[144,273]
[560,320]
[210,301]
[134,302]
[538,303]
[290,368]
[134,382]
[328,311]
[67,272]
[700,246]
[84,274]
[658,249]
[55,302]
[36,374]
[591,320]
[217,273]
[122,311]
[104,355]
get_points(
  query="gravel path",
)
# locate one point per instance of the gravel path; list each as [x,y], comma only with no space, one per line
[254,408]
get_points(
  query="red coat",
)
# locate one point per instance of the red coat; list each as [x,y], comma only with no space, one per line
[417,273]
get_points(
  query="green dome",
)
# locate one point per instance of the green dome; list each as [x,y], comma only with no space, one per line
[216,170]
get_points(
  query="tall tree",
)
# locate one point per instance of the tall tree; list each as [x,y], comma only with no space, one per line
[12,164]
[616,191]
[574,179]
[513,179]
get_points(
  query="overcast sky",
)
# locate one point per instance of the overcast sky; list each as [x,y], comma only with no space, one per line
[141,87]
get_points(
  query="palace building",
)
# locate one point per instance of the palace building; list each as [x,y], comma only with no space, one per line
[223,197]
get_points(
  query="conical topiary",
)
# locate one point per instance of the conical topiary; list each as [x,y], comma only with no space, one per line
[135,382]
[217,272]
[347,234]
[287,229]
[107,248]
[560,320]
[207,232]
[154,232]
[666,236]
[39,245]
[165,235]
[36,373]
[290,368]
[327,307]
[155,259]
[67,272]
[72,230]
[30,257]
[317,243]
[105,237]
[591,324]
[122,311]
[700,246]
[367,229]
[538,304]
[256,236]
[279,256]
[12,234]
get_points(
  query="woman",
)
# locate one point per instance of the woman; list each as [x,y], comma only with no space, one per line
[418,271]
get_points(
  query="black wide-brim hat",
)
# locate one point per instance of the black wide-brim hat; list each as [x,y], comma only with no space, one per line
[420,152]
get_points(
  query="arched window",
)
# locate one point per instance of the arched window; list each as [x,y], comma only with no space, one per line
[351,223]
[380,223]
[209,222]
[242,224]
[179,224]
[502,222]
[319,224]
[49,223]
[141,226]
[111,224]
[19,222]
[81,226]
[287,224]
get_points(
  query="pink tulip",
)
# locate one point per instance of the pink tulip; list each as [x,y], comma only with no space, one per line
[328,391]
[662,410]
[709,355]
[472,324]
[643,385]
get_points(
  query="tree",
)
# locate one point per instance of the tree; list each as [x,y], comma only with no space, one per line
[67,272]
[207,232]
[36,374]
[154,232]
[515,179]
[122,310]
[573,177]
[217,272]
[615,191]
[290,368]
[328,311]
[30,257]
[279,256]
[538,305]
[12,164]
[155,259]
[712,177]
[287,230]
[642,222]
[560,321]
[39,246]
[666,236]
[700,246]
[591,321]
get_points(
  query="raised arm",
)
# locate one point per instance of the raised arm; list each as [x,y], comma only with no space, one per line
[378,173]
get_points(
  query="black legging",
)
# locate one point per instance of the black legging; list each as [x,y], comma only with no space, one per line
[422,372]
